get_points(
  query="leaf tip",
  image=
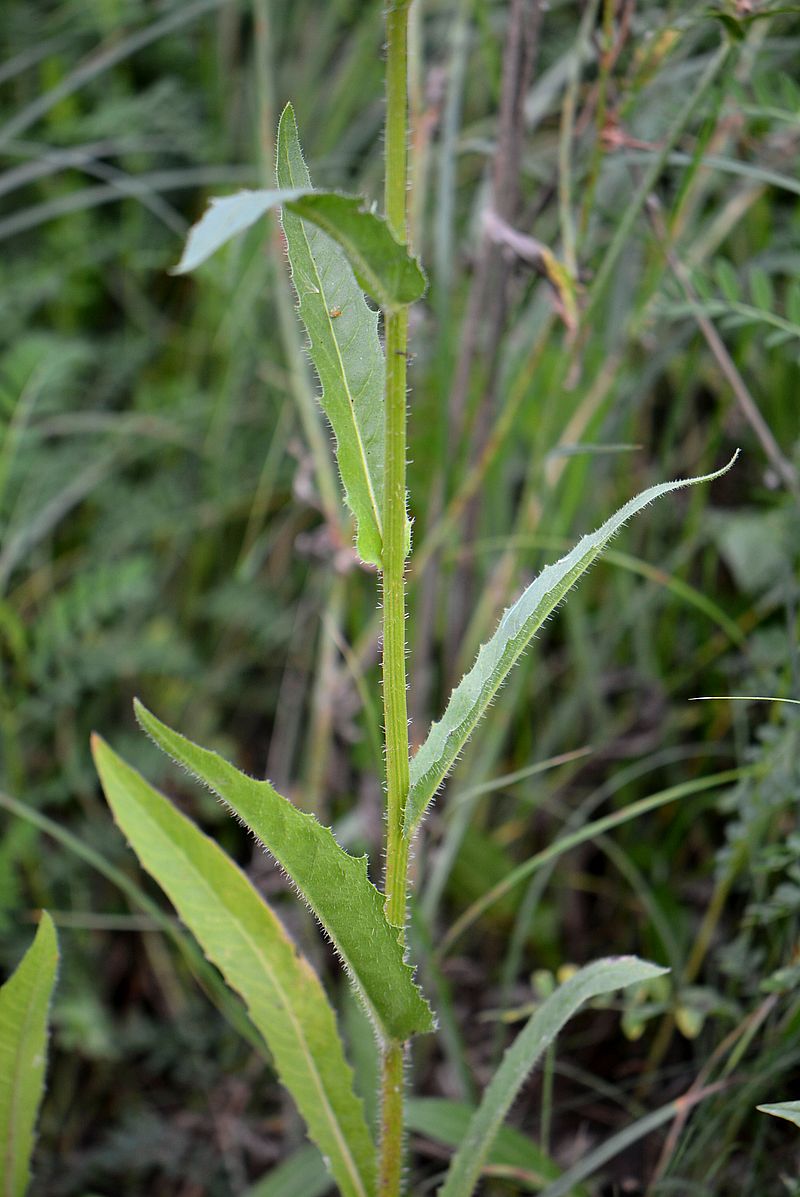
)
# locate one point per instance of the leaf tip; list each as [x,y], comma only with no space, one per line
[146,719]
[287,113]
[98,747]
[46,920]
[287,129]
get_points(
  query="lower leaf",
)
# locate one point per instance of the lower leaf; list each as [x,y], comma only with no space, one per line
[604,976]
[333,883]
[790,1110]
[244,939]
[24,1004]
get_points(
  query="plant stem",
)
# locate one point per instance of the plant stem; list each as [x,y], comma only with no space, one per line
[394,502]
[394,599]
[392,1119]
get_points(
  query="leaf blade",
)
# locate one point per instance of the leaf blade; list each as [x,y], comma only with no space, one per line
[344,348]
[242,936]
[226,217]
[304,1172]
[382,266]
[790,1110]
[594,980]
[516,628]
[24,1005]
[445,1121]
[334,884]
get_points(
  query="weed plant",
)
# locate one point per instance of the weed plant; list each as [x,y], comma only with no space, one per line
[667,324]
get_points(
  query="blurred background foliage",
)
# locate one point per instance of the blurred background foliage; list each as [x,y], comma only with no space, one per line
[605,198]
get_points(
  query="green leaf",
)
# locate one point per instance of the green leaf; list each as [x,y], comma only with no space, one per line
[727,280]
[793,301]
[384,268]
[24,1004]
[243,938]
[343,344]
[225,218]
[334,884]
[517,626]
[447,1122]
[790,1110]
[303,1173]
[762,290]
[344,347]
[602,977]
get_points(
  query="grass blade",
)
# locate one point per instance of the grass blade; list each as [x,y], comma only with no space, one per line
[242,936]
[333,883]
[604,976]
[579,836]
[447,1122]
[207,977]
[620,1142]
[24,1004]
[518,625]
[304,1172]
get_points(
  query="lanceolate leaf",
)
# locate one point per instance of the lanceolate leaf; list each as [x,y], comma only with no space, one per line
[333,883]
[382,265]
[343,344]
[24,1003]
[604,976]
[447,1122]
[303,1173]
[517,626]
[225,218]
[243,938]
[790,1110]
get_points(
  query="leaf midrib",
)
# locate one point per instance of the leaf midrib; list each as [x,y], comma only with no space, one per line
[343,373]
[17,1087]
[259,955]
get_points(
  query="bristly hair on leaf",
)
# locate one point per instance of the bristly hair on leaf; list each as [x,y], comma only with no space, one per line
[517,626]
[242,936]
[334,884]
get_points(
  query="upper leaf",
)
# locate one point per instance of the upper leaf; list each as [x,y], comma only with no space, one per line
[24,1004]
[604,976]
[225,218]
[517,626]
[246,941]
[333,883]
[383,266]
[336,247]
[343,343]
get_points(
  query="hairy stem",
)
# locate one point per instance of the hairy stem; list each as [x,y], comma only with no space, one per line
[394,599]
[394,502]
[392,1118]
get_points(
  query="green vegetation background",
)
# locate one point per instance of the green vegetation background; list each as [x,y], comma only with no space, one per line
[167,530]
